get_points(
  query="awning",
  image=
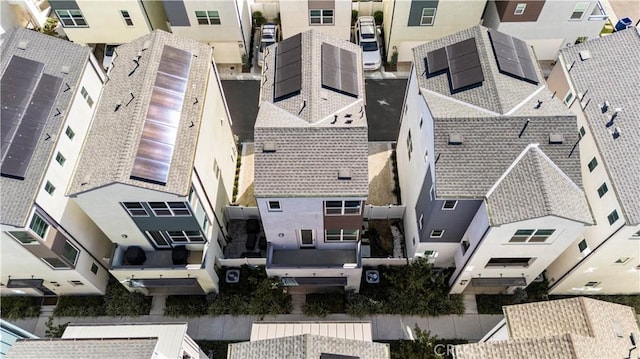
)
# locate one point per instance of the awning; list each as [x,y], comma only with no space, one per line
[499,282]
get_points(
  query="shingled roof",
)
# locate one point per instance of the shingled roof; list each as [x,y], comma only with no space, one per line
[497,121]
[612,74]
[110,149]
[17,195]
[580,328]
[313,134]
[128,348]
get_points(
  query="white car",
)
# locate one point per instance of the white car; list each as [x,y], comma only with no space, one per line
[268,36]
[108,55]
[367,38]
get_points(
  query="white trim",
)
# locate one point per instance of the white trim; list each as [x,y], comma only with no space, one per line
[271,209]
[526,100]
[518,7]
[455,204]
[433,230]
[313,238]
[513,164]
[422,89]
[421,222]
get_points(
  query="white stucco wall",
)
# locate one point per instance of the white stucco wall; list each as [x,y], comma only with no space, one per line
[294,17]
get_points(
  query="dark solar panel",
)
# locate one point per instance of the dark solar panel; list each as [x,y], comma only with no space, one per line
[464,64]
[437,60]
[461,48]
[160,131]
[466,78]
[288,73]
[339,69]
[513,57]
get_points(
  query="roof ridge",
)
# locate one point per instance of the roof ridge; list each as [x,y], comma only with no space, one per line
[482,33]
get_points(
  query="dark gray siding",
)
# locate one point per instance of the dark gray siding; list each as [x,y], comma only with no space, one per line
[153,223]
[176,12]
[415,13]
[454,222]
[64,5]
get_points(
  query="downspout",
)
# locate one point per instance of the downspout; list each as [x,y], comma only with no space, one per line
[393,12]
[244,41]
[146,15]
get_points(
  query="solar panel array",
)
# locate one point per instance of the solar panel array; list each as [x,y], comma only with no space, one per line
[461,60]
[513,56]
[160,130]
[27,97]
[288,77]
[339,69]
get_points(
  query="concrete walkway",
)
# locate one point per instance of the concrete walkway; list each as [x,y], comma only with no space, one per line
[385,327]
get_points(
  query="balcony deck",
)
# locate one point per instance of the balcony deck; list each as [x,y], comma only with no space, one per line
[157,259]
[313,258]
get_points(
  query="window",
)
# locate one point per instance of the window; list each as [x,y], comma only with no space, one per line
[186,236]
[582,131]
[69,132]
[94,268]
[449,205]
[85,95]
[76,283]
[636,235]
[335,235]
[613,217]
[71,18]
[126,17]
[421,121]
[69,252]
[592,164]
[437,233]
[531,235]
[274,206]
[592,284]
[521,235]
[169,209]
[428,16]
[509,262]
[421,221]
[135,209]
[431,253]
[622,260]
[520,9]
[306,238]
[579,10]
[216,168]
[568,98]
[583,247]
[55,263]
[321,17]
[38,226]
[465,246]
[409,145]
[208,17]
[23,237]
[342,207]
[602,190]
[49,188]
[158,239]
[60,159]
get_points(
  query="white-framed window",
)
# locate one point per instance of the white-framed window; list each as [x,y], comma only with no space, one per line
[306,238]
[583,247]
[338,208]
[85,95]
[71,18]
[49,188]
[55,262]
[421,221]
[39,226]
[69,132]
[70,253]
[428,16]
[210,17]
[23,237]
[602,190]
[76,283]
[592,164]
[186,236]
[510,262]
[568,98]
[341,235]
[436,233]
[321,16]
[274,206]
[579,10]
[135,209]
[592,284]
[430,253]
[158,239]
[622,260]
[613,217]
[531,235]
[60,159]
[449,205]
[170,209]
[126,17]
[94,268]
[520,9]
[409,145]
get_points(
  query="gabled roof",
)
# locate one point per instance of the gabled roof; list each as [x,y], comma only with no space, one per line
[612,74]
[128,348]
[535,187]
[316,132]
[17,195]
[307,346]
[112,143]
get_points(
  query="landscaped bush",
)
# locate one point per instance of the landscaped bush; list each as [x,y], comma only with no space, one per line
[117,302]
[414,289]
[424,346]
[20,307]
[321,304]
[315,309]
[186,305]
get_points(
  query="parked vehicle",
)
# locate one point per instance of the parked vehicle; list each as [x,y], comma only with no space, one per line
[108,55]
[367,38]
[269,34]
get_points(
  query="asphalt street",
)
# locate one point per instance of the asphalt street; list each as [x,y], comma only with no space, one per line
[384,105]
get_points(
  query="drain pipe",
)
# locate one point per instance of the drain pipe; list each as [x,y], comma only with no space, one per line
[393,12]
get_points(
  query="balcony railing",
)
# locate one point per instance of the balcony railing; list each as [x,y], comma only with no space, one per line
[314,258]
[598,13]
[157,259]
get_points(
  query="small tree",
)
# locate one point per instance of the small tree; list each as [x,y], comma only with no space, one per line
[54,331]
[378,16]
[50,27]
[354,17]
[422,347]
[258,19]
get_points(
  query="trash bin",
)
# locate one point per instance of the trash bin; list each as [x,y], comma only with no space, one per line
[623,23]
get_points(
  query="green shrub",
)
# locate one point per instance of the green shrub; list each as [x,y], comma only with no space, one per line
[315,309]
[215,348]
[354,17]
[54,331]
[186,306]
[258,19]
[80,306]
[378,16]
[361,306]
[20,307]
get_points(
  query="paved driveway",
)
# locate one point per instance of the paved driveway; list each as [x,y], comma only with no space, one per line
[384,104]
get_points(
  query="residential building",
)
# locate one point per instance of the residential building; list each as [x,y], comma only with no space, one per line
[157,167]
[547,25]
[9,334]
[107,22]
[332,17]
[311,169]
[31,14]
[573,328]
[225,25]
[410,23]
[488,163]
[597,80]
[49,246]
[126,341]
[325,340]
